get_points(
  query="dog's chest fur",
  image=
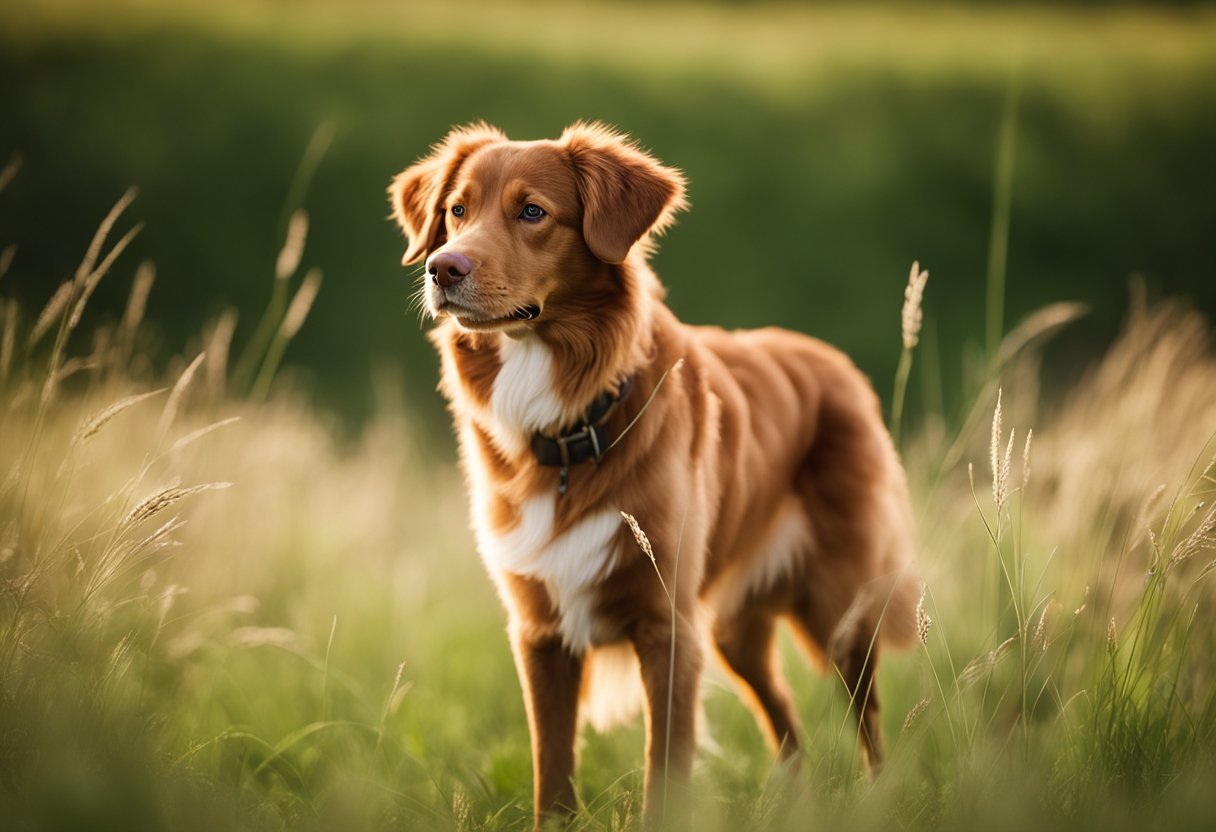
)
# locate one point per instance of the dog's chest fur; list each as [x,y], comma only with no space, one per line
[572,562]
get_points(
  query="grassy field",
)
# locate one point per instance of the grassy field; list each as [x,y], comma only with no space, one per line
[214,614]
[224,605]
[826,146]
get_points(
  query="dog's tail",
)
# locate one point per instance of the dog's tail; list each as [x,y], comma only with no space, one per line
[612,686]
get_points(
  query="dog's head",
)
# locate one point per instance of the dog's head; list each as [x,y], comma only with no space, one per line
[509,228]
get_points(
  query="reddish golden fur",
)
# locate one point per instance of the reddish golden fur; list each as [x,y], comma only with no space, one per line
[761,471]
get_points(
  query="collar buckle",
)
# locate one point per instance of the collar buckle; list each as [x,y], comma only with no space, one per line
[586,433]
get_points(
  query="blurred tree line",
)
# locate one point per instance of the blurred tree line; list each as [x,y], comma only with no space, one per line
[824,156]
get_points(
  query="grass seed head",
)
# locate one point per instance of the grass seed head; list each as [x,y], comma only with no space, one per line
[6,258]
[1201,538]
[923,621]
[179,391]
[218,346]
[11,167]
[1026,459]
[89,284]
[914,714]
[301,304]
[912,314]
[137,301]
[639,535]
[86,266]
[293,246]
[8,339]
[994,449]
[91,426]
[53,309]
[160,500]
[1039,639]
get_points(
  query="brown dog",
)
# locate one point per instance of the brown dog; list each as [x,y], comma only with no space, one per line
[756,462]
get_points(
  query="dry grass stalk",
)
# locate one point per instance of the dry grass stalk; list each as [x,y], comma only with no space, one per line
[259,636]
[8,341]
[923,621]
[1039,324]
[179,391]
[137,301]
[1146,508]
[998,460]
[11,167]
[1039,639]
[644,544]
[94,277]
[217,353]
[160,500]
[91,426]
[10,170]
[1200,539]
[1026,458]
[6,258]
[201,432]
[462,810]
[53,309]
[912,314]
[293,246]
[1005,469]
[99,237]
[393,701]
[994,445]
[159,539]
[914,714]
[977,667]
[300,305]
[639,535]
[1112,637]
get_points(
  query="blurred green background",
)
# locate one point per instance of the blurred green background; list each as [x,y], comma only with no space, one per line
[827,146]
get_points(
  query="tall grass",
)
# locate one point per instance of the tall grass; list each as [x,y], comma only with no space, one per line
[315,646]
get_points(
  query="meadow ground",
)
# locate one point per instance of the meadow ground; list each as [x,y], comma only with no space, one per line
[216,615]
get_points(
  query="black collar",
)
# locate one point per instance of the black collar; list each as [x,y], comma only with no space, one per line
[587,440]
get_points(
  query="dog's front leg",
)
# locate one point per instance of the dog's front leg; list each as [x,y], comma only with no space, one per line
[550,676]
[671,681]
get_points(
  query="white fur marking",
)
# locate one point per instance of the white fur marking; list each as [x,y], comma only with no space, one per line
[788,539]
[570,564]
[613,691]
[523,400]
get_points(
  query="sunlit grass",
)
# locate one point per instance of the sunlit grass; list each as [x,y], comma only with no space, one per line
[315,646]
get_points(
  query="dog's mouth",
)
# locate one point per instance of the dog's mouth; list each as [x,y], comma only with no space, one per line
[476,319]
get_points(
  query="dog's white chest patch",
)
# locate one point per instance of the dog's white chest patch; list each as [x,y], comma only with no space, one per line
[523,400]
[570,564]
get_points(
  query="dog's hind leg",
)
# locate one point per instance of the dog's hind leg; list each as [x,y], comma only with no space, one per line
[854,656]
[857,667]
[747,644]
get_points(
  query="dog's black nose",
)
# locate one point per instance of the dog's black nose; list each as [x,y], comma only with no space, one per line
[447,268]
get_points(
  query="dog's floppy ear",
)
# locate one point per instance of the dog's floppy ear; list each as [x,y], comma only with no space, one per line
[625,192]
[417,193]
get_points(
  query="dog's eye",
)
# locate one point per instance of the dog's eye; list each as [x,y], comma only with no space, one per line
[532,212]
[457,211]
